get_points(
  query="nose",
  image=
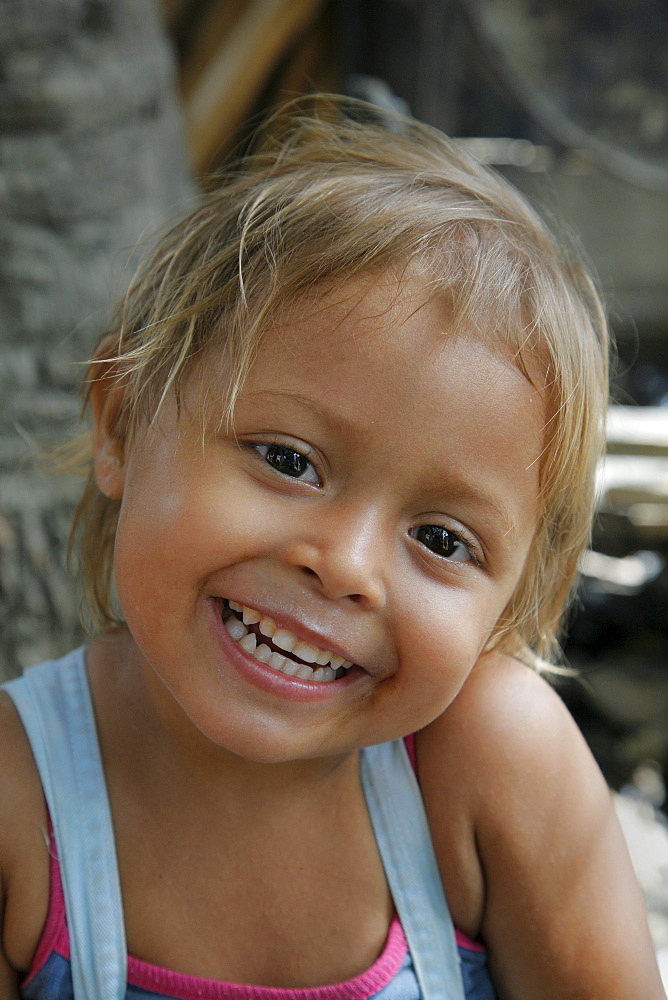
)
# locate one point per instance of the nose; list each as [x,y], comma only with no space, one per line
[344,553]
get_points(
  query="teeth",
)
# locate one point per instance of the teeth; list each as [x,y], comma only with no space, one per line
[324,674]
[291,668]
[249,642]
[325,663]
[236,628]
[267,627]
[305,651]
[284,640]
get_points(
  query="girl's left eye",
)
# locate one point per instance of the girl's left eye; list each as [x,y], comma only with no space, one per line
[289,462]
[444,543]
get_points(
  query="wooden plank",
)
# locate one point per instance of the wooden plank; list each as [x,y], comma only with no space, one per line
[225,92]
[308,67]
[628,479]
[638,430]
[210,32]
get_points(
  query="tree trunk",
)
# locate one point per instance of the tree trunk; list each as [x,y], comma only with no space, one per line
[92,159]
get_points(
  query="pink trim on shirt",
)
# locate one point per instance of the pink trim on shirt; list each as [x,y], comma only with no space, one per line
[55,938]
[409,743]
[464,941]
[383,970]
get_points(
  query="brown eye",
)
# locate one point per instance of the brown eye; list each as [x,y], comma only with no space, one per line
[442,542]
[288,462]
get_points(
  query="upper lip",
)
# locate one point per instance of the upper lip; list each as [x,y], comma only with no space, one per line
[298,628]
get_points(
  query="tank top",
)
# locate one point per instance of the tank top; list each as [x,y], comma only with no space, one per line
[82,953]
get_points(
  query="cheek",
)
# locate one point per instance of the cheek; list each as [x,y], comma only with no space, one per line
[152,544]
[141,569]
[175,531]
[441,638]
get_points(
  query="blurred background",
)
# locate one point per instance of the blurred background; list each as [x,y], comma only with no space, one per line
[113,110]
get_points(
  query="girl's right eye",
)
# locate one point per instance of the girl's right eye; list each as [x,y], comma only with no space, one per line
[289,462]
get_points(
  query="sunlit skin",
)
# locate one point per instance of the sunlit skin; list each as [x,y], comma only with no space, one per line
[377,495]
[405,430]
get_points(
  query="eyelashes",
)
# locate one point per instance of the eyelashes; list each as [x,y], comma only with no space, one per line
[445,543]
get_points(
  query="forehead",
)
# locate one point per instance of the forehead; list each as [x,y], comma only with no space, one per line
[385,335]
[373,361]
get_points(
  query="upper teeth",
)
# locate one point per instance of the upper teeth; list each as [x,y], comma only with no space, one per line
[327,662]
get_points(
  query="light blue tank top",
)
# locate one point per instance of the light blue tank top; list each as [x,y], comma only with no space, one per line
[53,700]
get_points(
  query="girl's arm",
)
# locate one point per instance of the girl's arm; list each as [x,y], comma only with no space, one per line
[9,987]
[518,805]
[24,860]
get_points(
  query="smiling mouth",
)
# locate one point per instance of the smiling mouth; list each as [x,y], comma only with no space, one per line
[270,644]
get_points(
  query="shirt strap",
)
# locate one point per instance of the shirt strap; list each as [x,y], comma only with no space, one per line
[54,703]
[402,832]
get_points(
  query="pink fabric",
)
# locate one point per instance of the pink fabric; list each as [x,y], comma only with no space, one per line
[464,941]
[150,977]
[55,938]
[409,743]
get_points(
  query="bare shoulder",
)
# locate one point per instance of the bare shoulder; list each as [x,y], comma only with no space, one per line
[477,763]
[506,706]
[517,804]
[24,856]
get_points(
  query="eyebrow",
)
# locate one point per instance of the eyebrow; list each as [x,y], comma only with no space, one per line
[462,491]
[304,401]
[468,493]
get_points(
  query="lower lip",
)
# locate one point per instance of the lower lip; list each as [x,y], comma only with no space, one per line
[281,685]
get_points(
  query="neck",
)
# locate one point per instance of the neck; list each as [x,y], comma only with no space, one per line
[144,729]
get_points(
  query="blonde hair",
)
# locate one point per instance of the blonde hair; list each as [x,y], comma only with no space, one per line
[326,194]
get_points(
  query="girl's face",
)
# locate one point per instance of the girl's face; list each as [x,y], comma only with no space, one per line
[374,504]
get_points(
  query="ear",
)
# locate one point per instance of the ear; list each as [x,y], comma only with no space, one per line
[109,442]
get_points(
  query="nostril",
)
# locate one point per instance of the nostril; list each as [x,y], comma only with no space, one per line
[337,569]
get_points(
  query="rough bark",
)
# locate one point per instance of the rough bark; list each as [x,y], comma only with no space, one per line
[92,159]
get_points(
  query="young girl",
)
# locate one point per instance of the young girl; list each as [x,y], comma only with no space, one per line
[344,439]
